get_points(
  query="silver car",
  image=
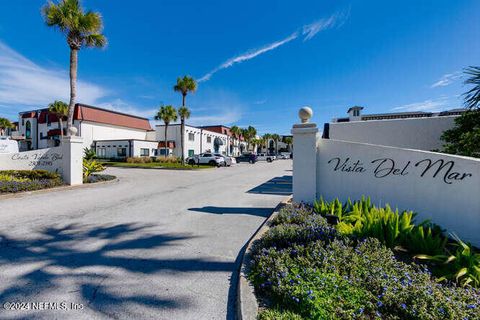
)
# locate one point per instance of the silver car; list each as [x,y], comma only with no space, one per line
[227,159]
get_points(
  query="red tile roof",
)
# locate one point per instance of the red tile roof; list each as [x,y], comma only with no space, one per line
[171,144]
[94,114]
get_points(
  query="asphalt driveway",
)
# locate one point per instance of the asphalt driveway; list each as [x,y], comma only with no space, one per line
[158,244]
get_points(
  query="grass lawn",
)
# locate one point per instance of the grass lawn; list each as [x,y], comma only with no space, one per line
[155,165]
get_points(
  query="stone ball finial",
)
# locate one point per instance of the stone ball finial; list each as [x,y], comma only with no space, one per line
[73,131]
[305,114]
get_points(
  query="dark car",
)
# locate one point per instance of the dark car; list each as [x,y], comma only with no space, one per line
[250,158]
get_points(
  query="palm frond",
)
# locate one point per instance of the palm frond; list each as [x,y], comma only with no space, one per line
[472,97]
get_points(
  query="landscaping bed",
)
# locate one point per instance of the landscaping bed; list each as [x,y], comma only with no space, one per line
[12,181]
[153,163]
[372,263]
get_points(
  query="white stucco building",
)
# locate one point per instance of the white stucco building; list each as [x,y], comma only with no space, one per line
[102,128]
[413,130]
[197,140]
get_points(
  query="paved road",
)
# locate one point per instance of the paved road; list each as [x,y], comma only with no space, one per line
[157,244]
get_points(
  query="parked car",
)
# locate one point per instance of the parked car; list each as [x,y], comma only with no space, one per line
[284,155]
[265,157]
[248,157]
[206,158]
[227,159]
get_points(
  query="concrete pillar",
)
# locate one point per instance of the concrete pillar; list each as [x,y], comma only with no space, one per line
[305,137]
[72,149]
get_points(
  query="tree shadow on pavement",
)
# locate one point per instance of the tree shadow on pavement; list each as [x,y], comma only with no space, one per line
[86,257]
[278,185]
[261,212]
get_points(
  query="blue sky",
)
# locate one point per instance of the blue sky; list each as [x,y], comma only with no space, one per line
[259,61]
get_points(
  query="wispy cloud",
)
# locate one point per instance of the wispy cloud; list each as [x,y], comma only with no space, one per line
[309,31]
[248,55]
[125,107]
[24,83]
[259,102]
[447,79]
[430,105]
[335,20]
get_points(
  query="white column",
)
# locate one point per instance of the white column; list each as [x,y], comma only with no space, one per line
[305,137]
[72,149]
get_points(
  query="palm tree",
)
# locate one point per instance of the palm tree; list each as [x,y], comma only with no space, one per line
[275,138]
[267,137]
[472,97]
[82,29]
[60,109]
[249,134]
[183,113]
[4,125]
[288,141]
[167,114]
[184,86]
[236,133]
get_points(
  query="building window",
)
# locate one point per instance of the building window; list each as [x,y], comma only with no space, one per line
[191,152]
[191,137]
[144,152]
[209,139]
[121,152]
[28,130]
[101,152]
[47,118]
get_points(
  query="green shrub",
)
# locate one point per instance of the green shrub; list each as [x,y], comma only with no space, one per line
[89,153]
[90,167]
[461,263]
[275,314]
[303,268]
[12,181]
[170,159]
[139,160]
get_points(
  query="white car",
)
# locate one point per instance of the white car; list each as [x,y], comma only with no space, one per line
[206,158]
[228,160]
[8,146]
[265,157]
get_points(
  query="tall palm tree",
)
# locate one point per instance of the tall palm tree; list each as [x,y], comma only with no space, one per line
[183,113]
[267,137]
[276,138]
[288,141]
[184,86]
[236,132]
[249,134]
[60,109]
[4,125]
[167,114]
[472,97]
[82,29]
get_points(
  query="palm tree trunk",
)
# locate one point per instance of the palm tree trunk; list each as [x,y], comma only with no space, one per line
[183,99]
[73,87]
[166,147]
[61,128]
[182,136]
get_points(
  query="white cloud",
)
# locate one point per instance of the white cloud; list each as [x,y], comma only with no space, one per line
[447,79]
[248,55]
[335,20]
[309,31]
[259,102]
[124,107]
[24,83]
[430,105]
